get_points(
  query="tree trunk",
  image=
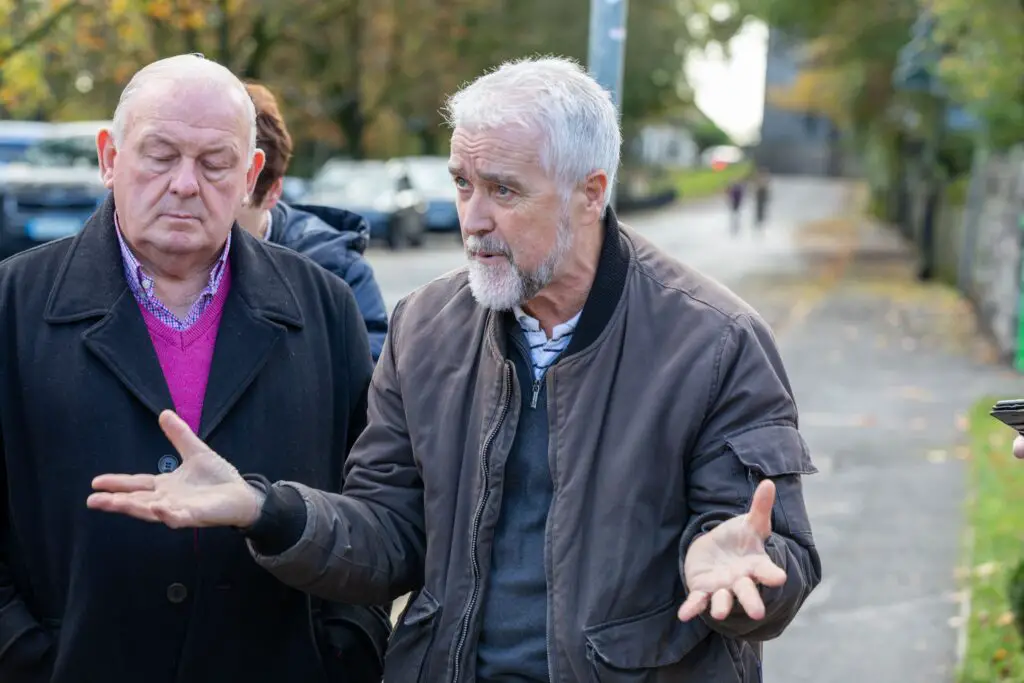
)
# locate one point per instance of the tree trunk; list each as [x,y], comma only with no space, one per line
[224,34]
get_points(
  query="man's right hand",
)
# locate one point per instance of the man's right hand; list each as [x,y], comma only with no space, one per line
[205,491]
[1018,447]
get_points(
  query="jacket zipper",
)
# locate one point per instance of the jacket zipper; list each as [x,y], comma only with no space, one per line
[536,391]
[548,574]
[485,470]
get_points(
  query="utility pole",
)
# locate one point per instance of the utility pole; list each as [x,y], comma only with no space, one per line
[607,50]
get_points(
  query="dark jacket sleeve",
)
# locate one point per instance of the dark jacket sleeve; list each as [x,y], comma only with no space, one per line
[749,434]
[337,248]
[353,638]
[25,646]
[368,544]
[360,278]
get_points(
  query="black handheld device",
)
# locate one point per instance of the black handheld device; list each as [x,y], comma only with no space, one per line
[1011,413]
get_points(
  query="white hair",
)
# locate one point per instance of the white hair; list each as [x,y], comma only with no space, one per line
[555,97]
[190,68]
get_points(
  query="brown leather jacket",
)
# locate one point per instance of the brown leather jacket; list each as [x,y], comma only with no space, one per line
[668,407]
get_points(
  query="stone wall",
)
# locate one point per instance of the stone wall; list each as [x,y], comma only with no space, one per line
[990,259]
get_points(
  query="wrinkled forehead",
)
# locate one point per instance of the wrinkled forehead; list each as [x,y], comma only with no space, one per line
[511,149]
[199,112]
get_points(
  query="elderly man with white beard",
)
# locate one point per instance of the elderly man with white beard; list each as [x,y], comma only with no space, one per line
[582,456]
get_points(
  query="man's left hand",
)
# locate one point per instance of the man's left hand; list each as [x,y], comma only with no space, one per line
[726,564]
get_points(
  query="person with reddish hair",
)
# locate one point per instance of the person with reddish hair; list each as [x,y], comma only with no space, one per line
[333,238]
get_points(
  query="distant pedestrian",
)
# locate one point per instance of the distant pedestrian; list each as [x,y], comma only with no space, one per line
[761,195]
[735,194]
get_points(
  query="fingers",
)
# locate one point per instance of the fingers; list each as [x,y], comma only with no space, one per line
[767,573]
[138,505]
[695,604]
[721,603]
[181,435]
[760,515]
[749,598]
[124,483]
[1018,447]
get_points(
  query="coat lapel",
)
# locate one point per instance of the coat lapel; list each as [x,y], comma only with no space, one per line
[91,285]
[260,308]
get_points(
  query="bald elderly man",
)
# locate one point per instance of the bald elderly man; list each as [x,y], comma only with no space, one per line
[163,302]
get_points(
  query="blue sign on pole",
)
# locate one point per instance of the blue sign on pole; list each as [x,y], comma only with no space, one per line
[607,49]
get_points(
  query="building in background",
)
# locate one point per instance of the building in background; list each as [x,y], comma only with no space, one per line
[794,142]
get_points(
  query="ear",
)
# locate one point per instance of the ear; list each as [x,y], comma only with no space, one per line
[107,152]
[253,173]
[595,189]
[273,195]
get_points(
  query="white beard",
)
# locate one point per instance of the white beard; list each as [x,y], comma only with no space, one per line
[497,287]
[503,286]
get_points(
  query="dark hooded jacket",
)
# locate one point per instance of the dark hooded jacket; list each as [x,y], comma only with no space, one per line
[335,239]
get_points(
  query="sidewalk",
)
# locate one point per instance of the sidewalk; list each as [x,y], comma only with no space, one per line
[884,369]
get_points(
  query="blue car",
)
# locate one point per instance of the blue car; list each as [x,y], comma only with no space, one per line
[430,178]
[380,192]
[52,190]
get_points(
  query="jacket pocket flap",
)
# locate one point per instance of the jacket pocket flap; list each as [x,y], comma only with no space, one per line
[773,450]
[651,640]
[423,607]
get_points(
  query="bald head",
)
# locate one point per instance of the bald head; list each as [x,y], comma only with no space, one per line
[165,78]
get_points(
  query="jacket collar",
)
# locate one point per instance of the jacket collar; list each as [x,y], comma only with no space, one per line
[91,278]
[609,283]
[604,296]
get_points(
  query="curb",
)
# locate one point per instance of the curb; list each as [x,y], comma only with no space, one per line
[964,617]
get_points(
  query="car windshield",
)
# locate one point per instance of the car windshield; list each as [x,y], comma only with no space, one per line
[431,177]
[366,186]
[64,152]
[332,177]
[11,150]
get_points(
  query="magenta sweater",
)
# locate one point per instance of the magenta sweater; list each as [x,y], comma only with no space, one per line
[185,357]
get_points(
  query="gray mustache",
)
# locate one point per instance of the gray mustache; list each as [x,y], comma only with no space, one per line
[488,245]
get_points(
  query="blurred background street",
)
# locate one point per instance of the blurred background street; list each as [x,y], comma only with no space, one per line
[889,135]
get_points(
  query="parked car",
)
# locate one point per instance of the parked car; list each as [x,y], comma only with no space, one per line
[379,191]
[294,189]
[430,177]
[51,192]
[18,136]
[721,157]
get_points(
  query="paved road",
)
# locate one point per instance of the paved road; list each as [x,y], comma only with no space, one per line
[880,384]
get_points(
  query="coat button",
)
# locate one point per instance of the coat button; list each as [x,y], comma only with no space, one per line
[167,464]
[176,593]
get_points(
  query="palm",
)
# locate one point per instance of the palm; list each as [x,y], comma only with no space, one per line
[727,563]
[205,490]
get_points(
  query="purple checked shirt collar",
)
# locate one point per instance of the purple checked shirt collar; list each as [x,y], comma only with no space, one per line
[142,286]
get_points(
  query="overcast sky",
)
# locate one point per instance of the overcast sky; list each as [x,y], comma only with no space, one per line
[731,92]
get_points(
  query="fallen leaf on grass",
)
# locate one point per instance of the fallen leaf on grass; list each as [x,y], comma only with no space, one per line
[1005,619]
[985,570]
[1000,654]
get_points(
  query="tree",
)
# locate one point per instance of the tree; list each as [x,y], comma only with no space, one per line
[983,61]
